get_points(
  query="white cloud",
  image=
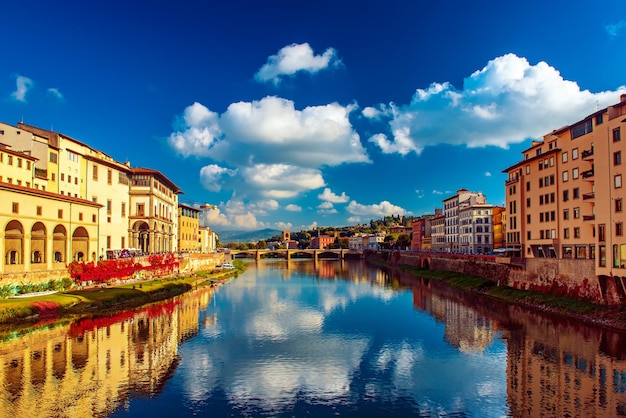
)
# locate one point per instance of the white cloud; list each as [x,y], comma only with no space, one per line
[437,192]
[268,137]
[294,58]
[199,130]
[211,176]
[284,226]
[354,219]
[329,196]
[614,29]
[282,180]
[22,86]
[506,102]
[487,174]
[325,205]
[293,208]
[383,208]
[56,93]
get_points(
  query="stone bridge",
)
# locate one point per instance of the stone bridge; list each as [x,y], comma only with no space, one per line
[314,253]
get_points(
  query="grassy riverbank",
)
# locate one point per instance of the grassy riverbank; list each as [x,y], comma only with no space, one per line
[609,316]
[104,299]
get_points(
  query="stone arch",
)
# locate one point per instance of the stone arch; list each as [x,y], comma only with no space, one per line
[14,243]
[141,236]
[80,244]
[38,243]
[59,244]
[425,264]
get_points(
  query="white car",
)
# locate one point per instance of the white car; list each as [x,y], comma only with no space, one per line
[228,266]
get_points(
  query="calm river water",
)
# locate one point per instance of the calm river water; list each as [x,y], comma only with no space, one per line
[325,339]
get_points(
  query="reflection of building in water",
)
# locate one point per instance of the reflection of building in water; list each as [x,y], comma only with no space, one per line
[465,327]
[90,367]
[548,381]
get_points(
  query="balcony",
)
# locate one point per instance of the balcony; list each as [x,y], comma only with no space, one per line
[41,173]
[587,174]
[589,196]
[511,181]
[588,154]
[589,217]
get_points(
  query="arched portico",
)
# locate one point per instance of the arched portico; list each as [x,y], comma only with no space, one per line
[80,244]
[14,243]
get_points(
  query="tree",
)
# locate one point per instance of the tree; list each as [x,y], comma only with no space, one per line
[404,241]
[262,245]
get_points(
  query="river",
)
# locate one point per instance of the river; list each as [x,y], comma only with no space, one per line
[319,339]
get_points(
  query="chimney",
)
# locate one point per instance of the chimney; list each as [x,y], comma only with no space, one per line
[622,98]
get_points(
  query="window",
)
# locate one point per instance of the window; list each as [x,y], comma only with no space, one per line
[565,214]
[619,229]
[599,119]
[140,209]
[566,233]
[565,175]
[123,208]
[19,162]
[575,173]
[53,176]
[528,202]
[109,205]
[581,129]
[577,232]
[62,177]
[95,172]
[527,186]
[527,169]
[80,216]
[9,159]
[75,180]
[564,157]
[15,207]
[565,195]
[28,165]
[617,181]
[72,156]
[618,205]
[575,154]
[576,213]
[551,161]
[39,210]
[602,232]
[93,218]
[108,242]
[616,135]
[60,213]
[53,157]
[69,178]
[528,235]
[109,176]
[575,193]
[602,256]
[527,219]
[617,158]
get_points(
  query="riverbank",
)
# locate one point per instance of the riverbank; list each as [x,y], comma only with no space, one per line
[602,315]
[105,299]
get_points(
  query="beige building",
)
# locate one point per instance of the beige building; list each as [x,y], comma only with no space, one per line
[207,239]
[565,198]
[44,231]
[188,225]
[451,207]
[153,212]
[76,169]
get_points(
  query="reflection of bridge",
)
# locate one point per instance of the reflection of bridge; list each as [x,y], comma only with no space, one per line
[288,253]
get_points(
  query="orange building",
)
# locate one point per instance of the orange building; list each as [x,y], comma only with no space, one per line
[564,199]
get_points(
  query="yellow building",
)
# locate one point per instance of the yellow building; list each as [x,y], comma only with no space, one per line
[565,198]
[153,212]
[207,239]
[188,224]
[44,231]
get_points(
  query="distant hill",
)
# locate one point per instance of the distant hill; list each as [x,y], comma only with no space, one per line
[247,236]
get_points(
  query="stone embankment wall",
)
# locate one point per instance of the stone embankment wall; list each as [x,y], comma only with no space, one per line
[189,263]
[566,277]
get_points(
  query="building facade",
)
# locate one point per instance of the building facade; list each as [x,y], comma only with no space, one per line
[188,226]
[565,197]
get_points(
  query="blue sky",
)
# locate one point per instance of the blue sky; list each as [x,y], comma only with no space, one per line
[292,115]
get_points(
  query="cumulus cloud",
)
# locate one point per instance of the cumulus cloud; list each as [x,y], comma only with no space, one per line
[198,130]
[326,208]
[295,58]
[211,176]
[354,219]
[293,208]
[328,196]
[382,209]
[487,174]
[506,102]
[22,86]
[285,226]
[282,180]
[266,139]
